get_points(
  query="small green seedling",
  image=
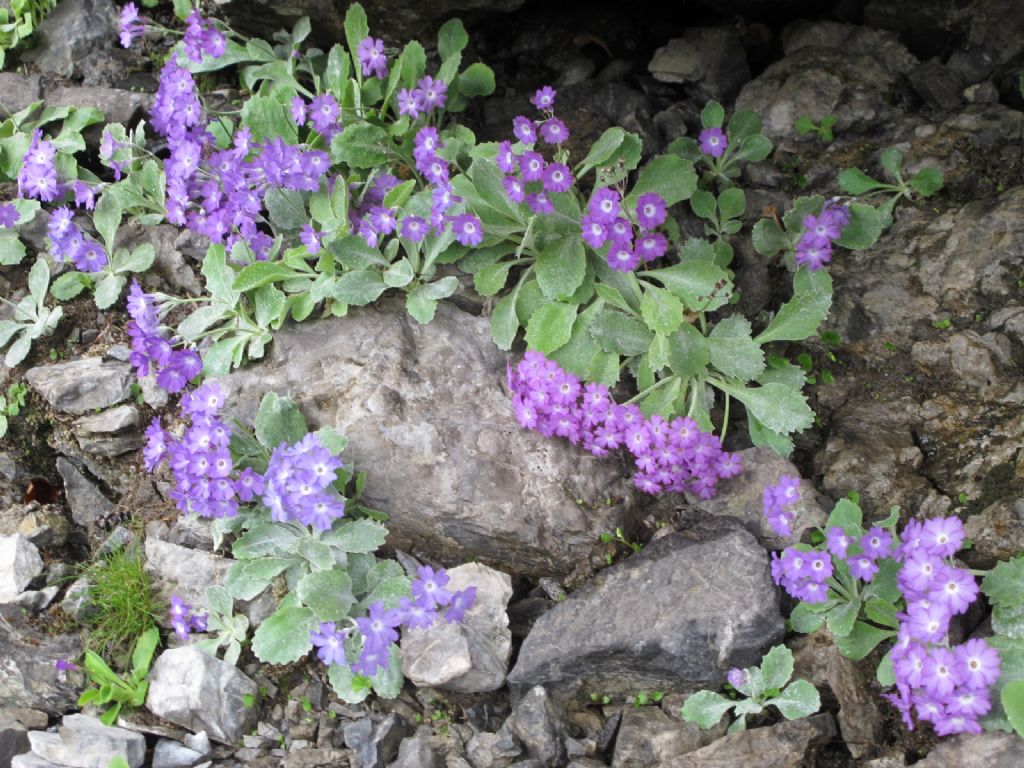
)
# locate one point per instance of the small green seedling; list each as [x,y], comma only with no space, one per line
[924,183]
[111,688]
[805,125]
[756,688]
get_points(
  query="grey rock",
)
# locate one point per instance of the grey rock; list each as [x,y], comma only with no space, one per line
[585,762]
[27,677]
[427,415]
[85,742]
[375,742]
[20,563]
[76,600]
[110,445]
[73,30]
[44,526]
[311,758]
[471,656]
[981,93]
[493,750]
[32,760]
[201,693]
[13,739]
[36,600]
[540,726]
[170,263]
[648,737]
[87,504]
[117,104]
[19,91]
[119,538]
[675,617]
[785,745]
[80,386]
[997,533]
[711,58]
[174,754]
[938,85]
[817,659]
[110,421]
[829,68]
[986,750]
[416,751]
[973,64]
[741,497]
[183,571]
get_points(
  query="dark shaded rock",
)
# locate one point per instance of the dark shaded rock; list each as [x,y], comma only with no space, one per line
[975,64]
[709,58]
[675,617]
[428,417]
[13,739]
[81,386]
[88,505]
[74,29]
[996,532]
[416,751]
[27,677]
[493,750]
[649,737]
[116,104]
[375,742]
[19,91]
[785,745]
[939,86]
[540,726]
[817,659]
[986,750]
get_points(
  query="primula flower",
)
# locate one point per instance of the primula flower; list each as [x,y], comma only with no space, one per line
[652,246]
[298,484]
[514,189]
[297,110]
[63,665]
[430,586]
[414,228]
[330,643]
[310,238]
[979,663]
[604,206]
[432,94]
[557,178]
[531,166]
[876,543]
[622,257]
[838,542]
[505,159]
[378,627]
[8,215]
[468,230]
[554,131]
[736,677]
[370,52]
[130,25]
[650,210]
[942,536]
[713,142]
[461,602]
[540,204]
[524,129]
[324,113]
[594,232]
[409,103]
[544,98]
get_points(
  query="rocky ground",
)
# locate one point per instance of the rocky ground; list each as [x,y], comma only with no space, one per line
[923,409]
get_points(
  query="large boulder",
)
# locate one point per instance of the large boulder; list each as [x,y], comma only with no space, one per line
[429,418]
[675,617]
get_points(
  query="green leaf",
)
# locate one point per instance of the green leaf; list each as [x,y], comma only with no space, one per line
[602,149]
[884,673]
[742,124]
[504,322]
[670,176]
[798,318]
[361,145]
[286,208]
[327,593]
[754,149]
[688,353]
[732,203]
[1012,698]
[451,39]
[854,181]
[420,306]
[284,637]
[360,287]
[357,536]
[12,250]
[267,116]
[107,217]
[892,161]
[864,228]
[142,655]
[263,273]
[551,326]
[777,667]
[881,612]
[848,516]
[356,30]
[926,182]
[705,708]
[662,400]
[561,267]
[349,687]
[265,538]
[661,310]
[778,407]
[476,80]
[1004,584]
[248,578]
[840,620]
[769,238]
[492,278]
[138,260]
[702,286]
[279,421]
[219,276]
[732,350]
[108,290]
[387,683]
[713,115]
[862,640]
[616,332]
[798,699]
[704,204]
[805,620]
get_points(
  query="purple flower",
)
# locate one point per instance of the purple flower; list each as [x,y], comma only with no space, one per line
[324,113]
[539,203]
[824,226]
[298,484]
[650,210]
[876,543]
[604,206]
[594,233]
[330,643]
[524,129]
[813,252]
[862,567]
[311,239]
[544,98]
[652,246]
[156,445]
[954,588]
[416,614]
[554,131]
[942,536]
[370,660]
[297,110]
[736,677]
[431,93]
[838,542]
[378,627]
[927,622]
[37,176]
[370,52]
[467,228]
[130,25]
[461,602]
[940,674]
[505,159]
[775,500]
[557,178]
[414,228]
[430,586]
[979,664]
[531,166]
[514,189]
[622,257]
[409,103]
[63,665]
[8,215]
[713,142]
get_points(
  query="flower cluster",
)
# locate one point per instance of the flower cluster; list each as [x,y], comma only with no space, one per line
[428,95]
[669,456]
[323,113]
[69,243]
[298,484]
[183,621]
[530,178]
[37,176]
[803,574]
[814,248]
[379,629]
[947,687]
[151,351]
[202,37]
[607,223]
[713,142]
[778,503]
[200,460]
